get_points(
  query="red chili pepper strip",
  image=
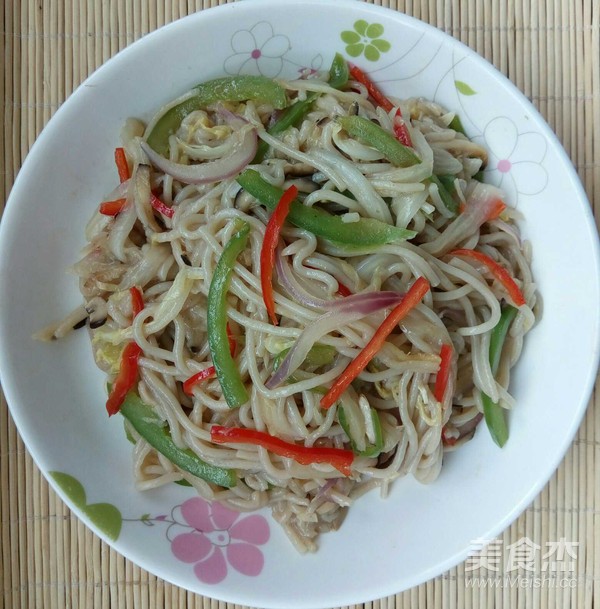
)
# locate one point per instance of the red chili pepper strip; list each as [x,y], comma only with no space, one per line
[339,458]
[496,210]
[122,165]
[419,288]
[203,375]
[126,378]
[441,380]
[161,207]
[112,208]
[400,130]
[128,370]
[269,246]
[209,372]
[343,290]
[499,272]
[373,91]
[448,440]
[137,300]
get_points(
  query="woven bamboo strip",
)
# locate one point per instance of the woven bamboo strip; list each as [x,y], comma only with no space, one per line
[550,50]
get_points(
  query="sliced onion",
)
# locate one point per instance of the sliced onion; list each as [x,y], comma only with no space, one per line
[212,171]
[469,427]
[480,203]
[120,192]
[372,204]
[341,312]
[141,199]
[305,298]
[509,229]
[230,118]
[141,273]
[296,291]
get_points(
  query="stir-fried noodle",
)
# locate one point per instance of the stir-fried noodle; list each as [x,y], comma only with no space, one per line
[330,297]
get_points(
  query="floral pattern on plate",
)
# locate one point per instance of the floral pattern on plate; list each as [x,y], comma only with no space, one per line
[208,535]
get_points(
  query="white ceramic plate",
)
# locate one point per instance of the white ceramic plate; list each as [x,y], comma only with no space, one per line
[56,394]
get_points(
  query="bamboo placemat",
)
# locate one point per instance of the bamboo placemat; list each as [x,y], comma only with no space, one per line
[549,48]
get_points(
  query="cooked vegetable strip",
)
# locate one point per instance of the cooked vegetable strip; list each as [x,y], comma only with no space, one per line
[126,379]
[443,375]
[153,429]
[339,458]
[381,100]
[374,93]
[494,414]
[457,125]
[269,246]
[234,390]
[401,130]
[290,117]
[343,290]
[203,375]
[122,165]
[319,355]
[112,208]
[499,272]
[161,207]
[207,373]
[445,187]
[137,300]
[128,369]
[369,133]
[369,451]
[414,295]
[338,72]
[366,232]
[234,88]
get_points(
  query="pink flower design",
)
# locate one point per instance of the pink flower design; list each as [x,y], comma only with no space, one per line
[257,50]
[212,536]
[516,158]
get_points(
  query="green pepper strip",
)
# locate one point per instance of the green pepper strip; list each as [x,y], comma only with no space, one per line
[233,89]
[370,451]
[234,391]
[150,427]
[292,116]
[445,186]
[319,355]
[457,125]
[338,72]
[494,413]
[365,232]
[371,134]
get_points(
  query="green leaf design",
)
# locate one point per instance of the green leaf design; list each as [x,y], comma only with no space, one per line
[361,26]
[104,515]
[464,88]
[381,45]
[354,50]
[374,30]
[371,53]
[350,37]
[71,487]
